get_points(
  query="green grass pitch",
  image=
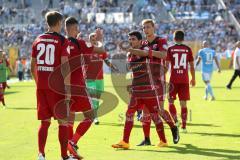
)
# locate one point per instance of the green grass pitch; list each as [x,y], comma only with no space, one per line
[213,132]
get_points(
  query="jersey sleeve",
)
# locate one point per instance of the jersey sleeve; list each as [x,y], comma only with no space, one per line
[162,43]
[190,59]
[86,47]
[104,56]
[65,50]
[200,53]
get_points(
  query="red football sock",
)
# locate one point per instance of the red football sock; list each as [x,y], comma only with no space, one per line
[128,128]
[160,131]
[1,96]
[63,139]
[70,131]
[42,136]
[146,124]
[184,113]
[167,118]
[81,130]
[173,112]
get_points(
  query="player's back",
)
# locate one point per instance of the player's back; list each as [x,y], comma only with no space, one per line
[48,49]
[179,55]
[207,55]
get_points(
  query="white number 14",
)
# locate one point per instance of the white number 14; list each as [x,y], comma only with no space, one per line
[182,63]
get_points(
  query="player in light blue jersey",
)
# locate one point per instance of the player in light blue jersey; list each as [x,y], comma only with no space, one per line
[208,56]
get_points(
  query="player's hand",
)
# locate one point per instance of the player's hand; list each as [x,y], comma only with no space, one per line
[193,82]
[115,69]
[79,35]
[125,46]
[99,34]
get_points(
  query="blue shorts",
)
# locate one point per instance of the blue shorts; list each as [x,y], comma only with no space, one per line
[206,76]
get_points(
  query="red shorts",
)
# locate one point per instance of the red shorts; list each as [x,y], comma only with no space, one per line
[81,104]
[50,104]
[148,92]
[137,103]
[180,89]
[3,85]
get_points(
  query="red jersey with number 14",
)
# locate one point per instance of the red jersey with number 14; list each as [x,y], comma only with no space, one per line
[179,55]
[48,49]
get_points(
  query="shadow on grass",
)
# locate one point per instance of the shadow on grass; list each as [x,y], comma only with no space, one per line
[120,125]
[219,87]
[11,92]
[228,100]
[216,135]
[20,108]
[194,150]
[152,126]
[202,125]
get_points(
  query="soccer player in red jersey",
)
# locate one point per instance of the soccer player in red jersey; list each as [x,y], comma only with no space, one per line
[80,52]
[159,45]
[95,79]
[143,89]
[49,51]
[179,56]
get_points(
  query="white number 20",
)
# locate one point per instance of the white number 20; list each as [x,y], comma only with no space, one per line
[183,61]
[49,50]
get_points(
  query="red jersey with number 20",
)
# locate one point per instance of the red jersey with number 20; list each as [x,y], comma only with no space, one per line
[48,49]
[179,55]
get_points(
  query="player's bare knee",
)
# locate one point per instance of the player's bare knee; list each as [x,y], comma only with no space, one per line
[46,120]
[183,104]
[89,115]
[62,122]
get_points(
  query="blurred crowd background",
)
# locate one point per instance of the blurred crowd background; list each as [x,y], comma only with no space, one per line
[213,20]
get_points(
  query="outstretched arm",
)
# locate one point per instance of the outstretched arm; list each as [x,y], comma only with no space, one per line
[145,53]
[112,66]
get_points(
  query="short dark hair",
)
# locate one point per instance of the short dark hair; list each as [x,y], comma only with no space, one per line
[136,33]
[53,17]
[70,21]
[179,35]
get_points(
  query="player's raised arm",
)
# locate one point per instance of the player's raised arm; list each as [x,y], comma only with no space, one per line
[96,40]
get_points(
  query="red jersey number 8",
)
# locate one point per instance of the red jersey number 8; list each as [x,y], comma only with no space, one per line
[49,50]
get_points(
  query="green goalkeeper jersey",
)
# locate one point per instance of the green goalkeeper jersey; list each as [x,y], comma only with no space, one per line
[3,71]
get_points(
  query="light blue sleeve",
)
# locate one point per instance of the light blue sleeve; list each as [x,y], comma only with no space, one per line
[214,53]
[200,53]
